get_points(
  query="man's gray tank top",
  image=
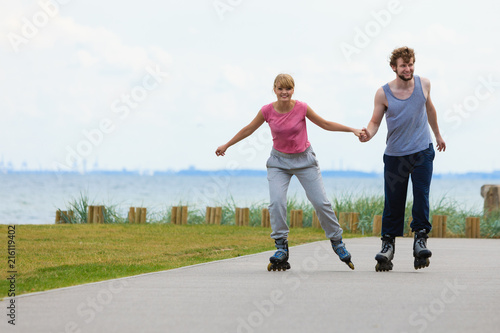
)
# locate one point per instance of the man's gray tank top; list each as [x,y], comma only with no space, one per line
[407,125]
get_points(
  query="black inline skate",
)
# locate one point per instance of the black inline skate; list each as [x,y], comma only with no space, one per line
[341,251]
[420,250]
[385,256]
[279,260]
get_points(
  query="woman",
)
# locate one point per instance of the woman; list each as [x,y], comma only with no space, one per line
[292,154]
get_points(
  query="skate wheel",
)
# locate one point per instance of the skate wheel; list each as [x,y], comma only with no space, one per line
[383,267]
[422,263]
[269,267]
[351,265]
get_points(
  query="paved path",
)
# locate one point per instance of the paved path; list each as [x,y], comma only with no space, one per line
[459,292]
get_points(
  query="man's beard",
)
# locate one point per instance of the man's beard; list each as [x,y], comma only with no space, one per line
[405,79]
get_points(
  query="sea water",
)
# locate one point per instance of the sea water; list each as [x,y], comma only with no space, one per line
[33,198]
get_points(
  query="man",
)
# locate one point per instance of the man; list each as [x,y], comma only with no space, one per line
[408,108]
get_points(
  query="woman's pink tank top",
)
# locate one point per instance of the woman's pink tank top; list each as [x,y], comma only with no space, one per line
[288,129]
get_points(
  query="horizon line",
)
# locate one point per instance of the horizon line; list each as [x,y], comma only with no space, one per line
[192,171]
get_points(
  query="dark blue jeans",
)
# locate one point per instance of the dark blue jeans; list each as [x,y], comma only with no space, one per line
[397,171]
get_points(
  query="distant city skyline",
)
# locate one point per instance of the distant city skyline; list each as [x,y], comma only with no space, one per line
[193,171]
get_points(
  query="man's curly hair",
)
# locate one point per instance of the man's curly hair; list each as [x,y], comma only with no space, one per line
[404,52]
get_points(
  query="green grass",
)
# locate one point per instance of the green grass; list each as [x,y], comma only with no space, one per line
[55,256]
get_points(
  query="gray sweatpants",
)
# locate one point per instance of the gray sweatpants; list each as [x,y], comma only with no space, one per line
[280,169]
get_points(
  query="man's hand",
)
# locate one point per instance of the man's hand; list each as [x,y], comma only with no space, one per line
[441,145]
[365,135]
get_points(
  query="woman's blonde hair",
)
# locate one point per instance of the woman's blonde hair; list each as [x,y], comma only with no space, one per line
[285,81]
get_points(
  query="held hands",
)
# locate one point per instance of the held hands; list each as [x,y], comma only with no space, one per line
[357,132]
[365,136]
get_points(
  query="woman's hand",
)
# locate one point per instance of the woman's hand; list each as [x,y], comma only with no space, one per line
[357,132]
[221,151]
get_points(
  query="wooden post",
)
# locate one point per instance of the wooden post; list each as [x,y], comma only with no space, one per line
[138,215]
[96,215]
[184,217]
[131,215]
[472,227]
[468,226]
[353,222]
[179,215]
[377,225]
[173,215]
[58,216]
[100,214]
[207,215]
[245,215]
[64,217]
[67,216]
[296,218]
[218,215]
[491,194]
[266,218]
[349,221]
[178,218]
[212,215]
[439,226]
[315,220]
[300,218]
[237,219]
[143,214]
[90,215]
[436,226]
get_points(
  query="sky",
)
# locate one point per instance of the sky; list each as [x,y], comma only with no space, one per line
[159,85]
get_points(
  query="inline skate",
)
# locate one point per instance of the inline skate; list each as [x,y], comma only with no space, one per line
[385,256]
[279,260]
